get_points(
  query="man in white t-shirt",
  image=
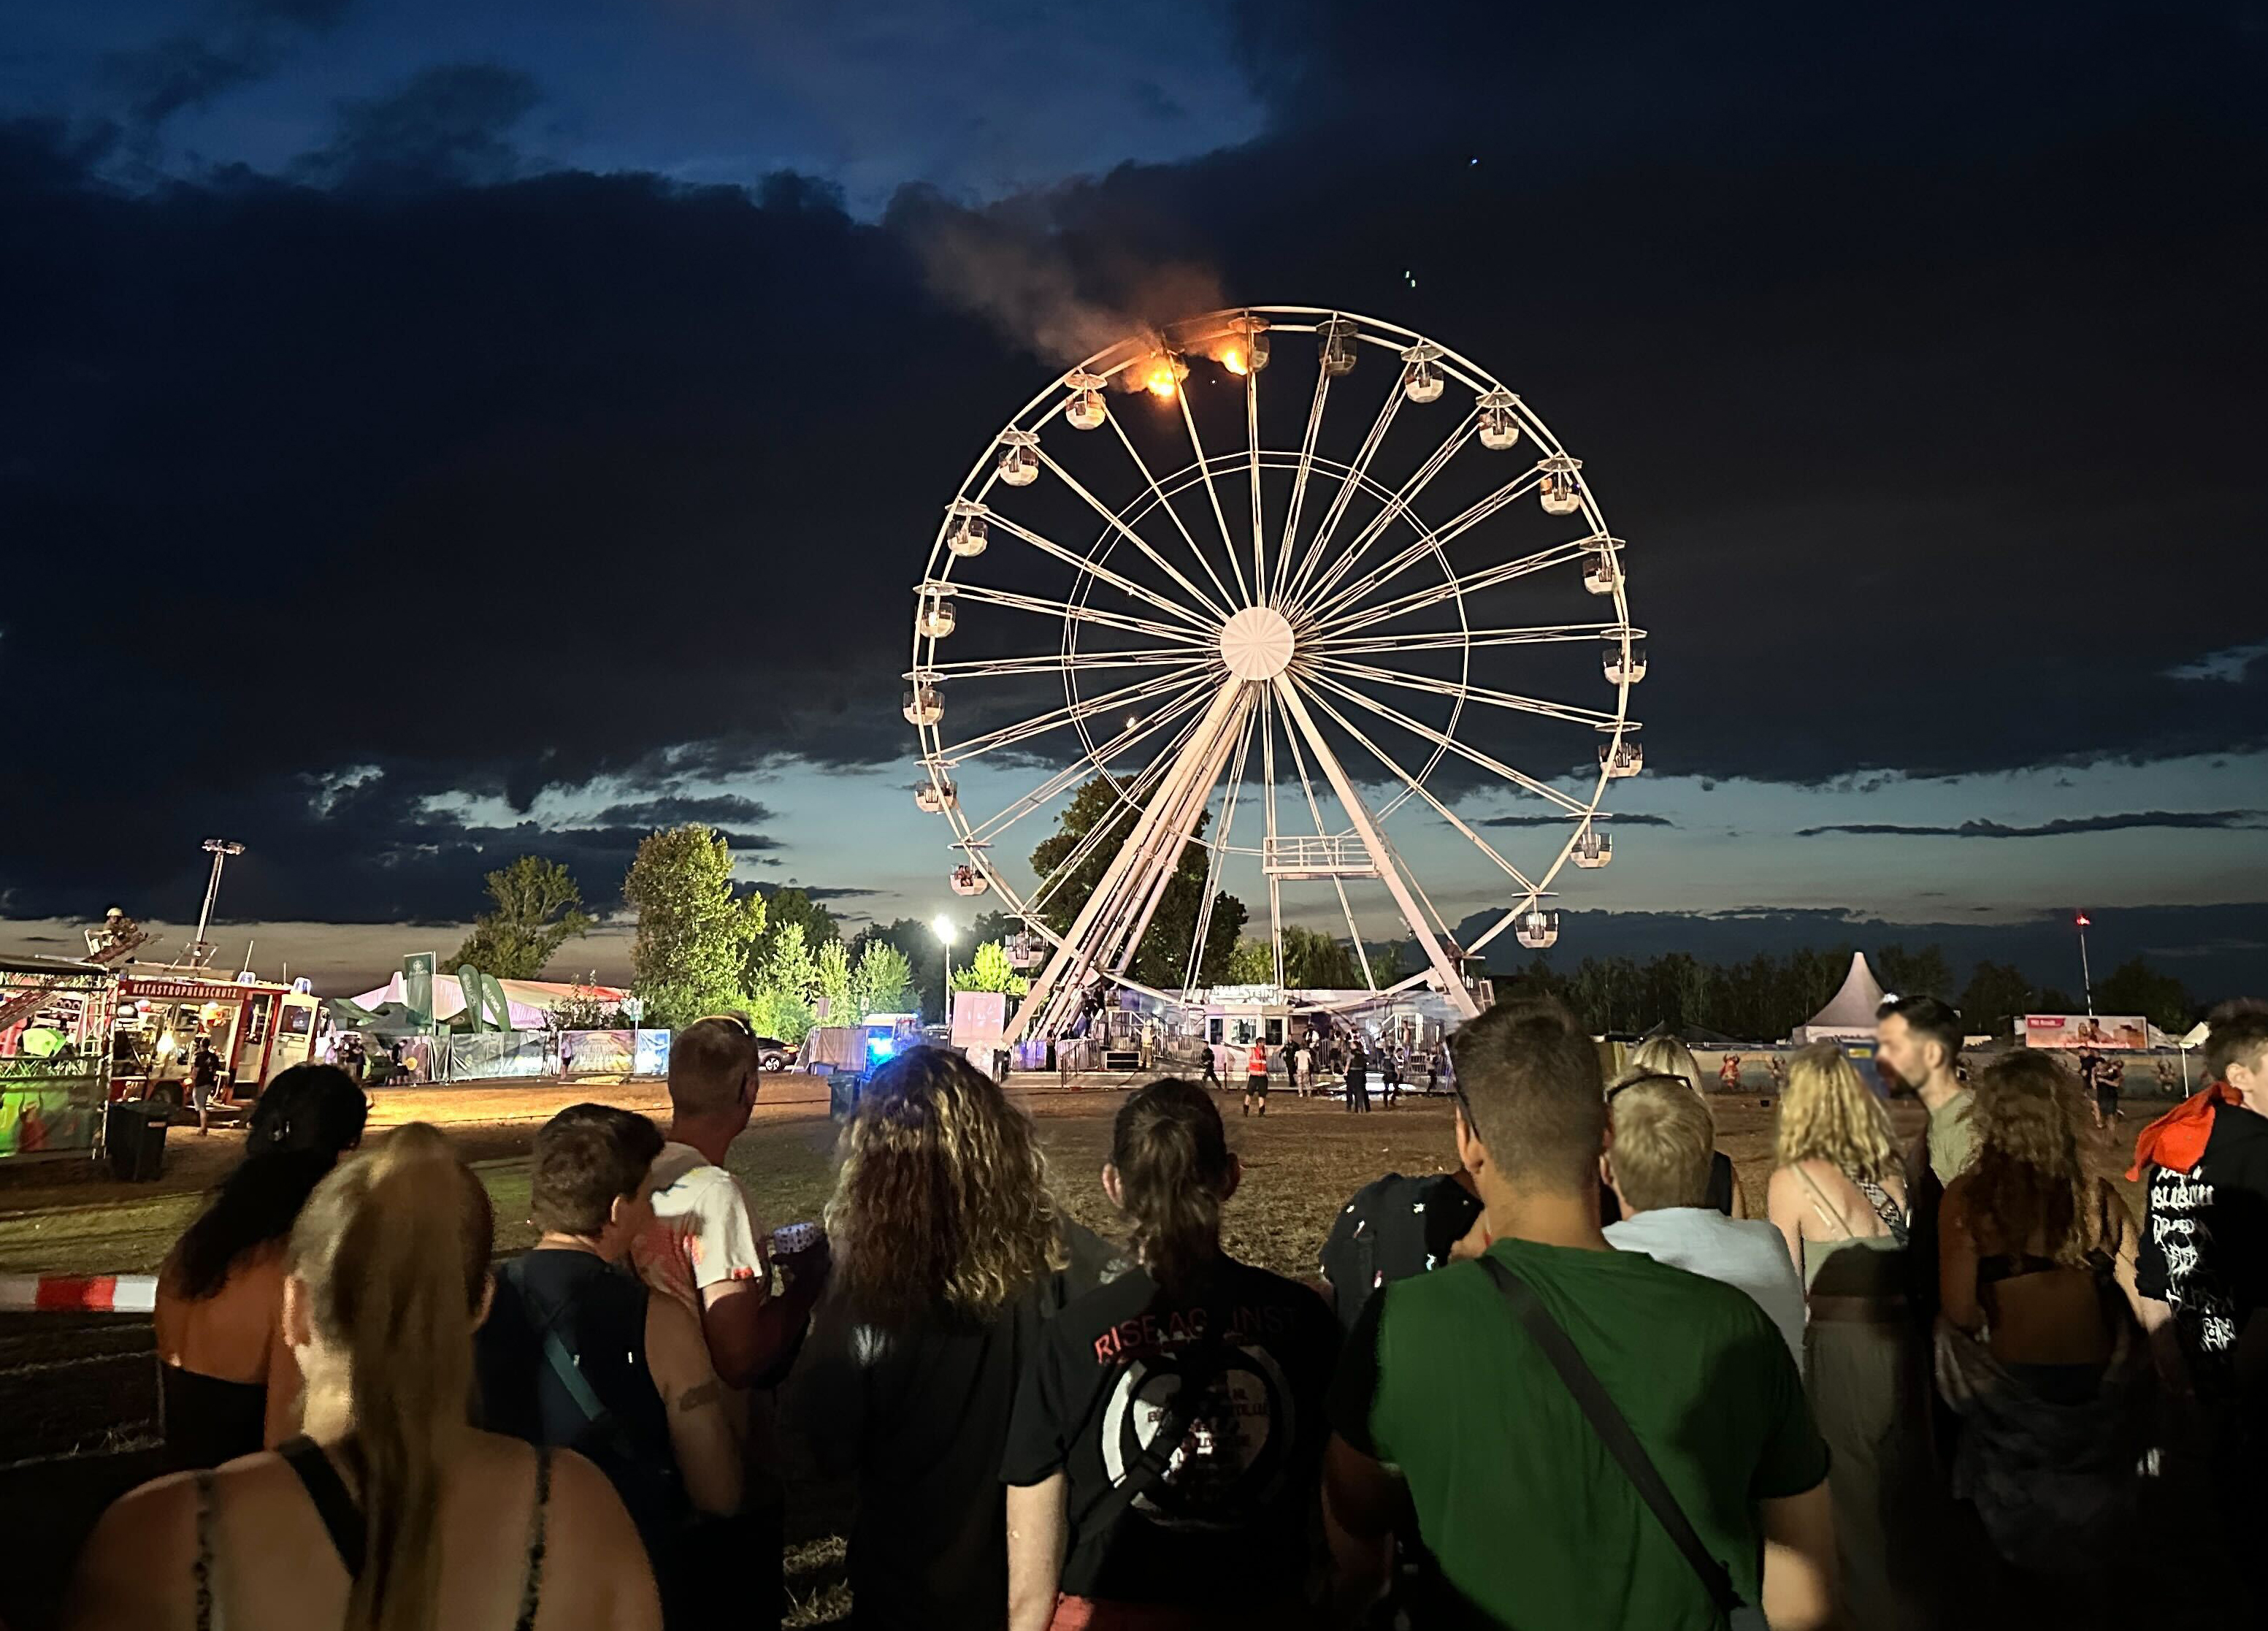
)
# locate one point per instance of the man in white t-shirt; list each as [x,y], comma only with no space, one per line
[1657,1162]
[706,1247]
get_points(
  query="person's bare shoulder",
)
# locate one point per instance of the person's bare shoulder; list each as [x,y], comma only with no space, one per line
[599,1563]
[154,1525]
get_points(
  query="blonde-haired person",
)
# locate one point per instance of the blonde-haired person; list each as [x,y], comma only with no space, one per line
[390,1512]
[949,1251]
[1839,1197]
[2039,1341]
[1668,1056]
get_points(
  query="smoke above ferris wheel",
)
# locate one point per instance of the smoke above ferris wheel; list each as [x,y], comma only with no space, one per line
[1323,603]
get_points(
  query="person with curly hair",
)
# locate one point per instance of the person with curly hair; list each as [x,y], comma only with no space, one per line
[1839,1197]
[949,1251]
[2039,1343]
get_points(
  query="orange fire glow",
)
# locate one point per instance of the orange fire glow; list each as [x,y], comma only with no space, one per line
[1233,359]
[1159,381]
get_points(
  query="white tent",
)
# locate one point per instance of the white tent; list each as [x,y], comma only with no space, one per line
[529,999]
[1849,1015]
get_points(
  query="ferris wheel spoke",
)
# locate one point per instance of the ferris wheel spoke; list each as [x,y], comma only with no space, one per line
[1419,787]
[1426,543]
[1140,593]
[1267,832]
[1316,813]
[1418,727]
[1213,492]
[1096,758]
[1467,692]
[1172,514]
[1219,850]
[1134,537]
[1055,719]
[1102,616]
[1135,789]
[1397,507]
[1349,483]
[1252,447]
[1061,662]
[1347,621]
[1305,469]
[1457,639]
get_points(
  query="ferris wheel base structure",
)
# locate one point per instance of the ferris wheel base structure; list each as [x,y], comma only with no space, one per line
[1274,664]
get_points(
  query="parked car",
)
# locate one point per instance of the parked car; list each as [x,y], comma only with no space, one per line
[773,1054]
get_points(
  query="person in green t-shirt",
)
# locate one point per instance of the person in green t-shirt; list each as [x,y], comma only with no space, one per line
[1444,1407]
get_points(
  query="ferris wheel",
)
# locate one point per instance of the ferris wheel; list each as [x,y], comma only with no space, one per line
[1306,600]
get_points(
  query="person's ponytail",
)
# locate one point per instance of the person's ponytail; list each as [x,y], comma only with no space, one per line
[1171,1153]
[394,1248]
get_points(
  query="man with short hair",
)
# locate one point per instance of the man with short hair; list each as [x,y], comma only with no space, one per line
[577,1352]
[2203,1263]
[1442,1375]
[1919,1039]
[1659,1146]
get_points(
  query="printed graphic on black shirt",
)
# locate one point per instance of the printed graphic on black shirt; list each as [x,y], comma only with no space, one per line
[1201,1428]
[2205,1245]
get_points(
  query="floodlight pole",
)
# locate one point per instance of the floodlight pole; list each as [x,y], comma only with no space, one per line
[943,926]
[2086,978]
[200,949]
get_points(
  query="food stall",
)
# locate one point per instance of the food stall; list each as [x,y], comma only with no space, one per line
[257,1027]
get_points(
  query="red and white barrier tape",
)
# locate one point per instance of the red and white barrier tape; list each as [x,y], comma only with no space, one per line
[78,1293]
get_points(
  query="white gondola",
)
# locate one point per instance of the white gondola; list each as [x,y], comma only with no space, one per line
[970,530]
[966,880]
[1085,410]
[1561,490]
[934,798]
[1247,352]
[1026,950]
[1538,930]
[1020,459]
[1623,660]
[1500,426]
[925,706]
[936,617]
[1339,345]
[1602,573]
[1626,758]
[1594,849]
[1425,382]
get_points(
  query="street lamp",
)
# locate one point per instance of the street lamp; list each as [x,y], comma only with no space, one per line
[942,925]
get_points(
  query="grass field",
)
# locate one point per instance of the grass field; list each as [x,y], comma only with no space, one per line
[81,1394]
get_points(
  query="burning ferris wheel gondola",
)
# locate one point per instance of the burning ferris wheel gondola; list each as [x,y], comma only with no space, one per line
[1297,631]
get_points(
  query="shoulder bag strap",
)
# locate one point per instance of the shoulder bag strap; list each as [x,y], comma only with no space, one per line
[1614,1431]
[568,1373]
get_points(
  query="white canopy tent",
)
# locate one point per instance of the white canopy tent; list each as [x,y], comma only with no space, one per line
[529,999]
[1849,1015]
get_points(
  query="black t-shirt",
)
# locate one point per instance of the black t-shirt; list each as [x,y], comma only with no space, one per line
[2205,1244]
[918,1412]
[1226,1525]
[1393,1228]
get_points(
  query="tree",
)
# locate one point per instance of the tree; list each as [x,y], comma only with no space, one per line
[692,930]
[1253,963]
[538,910]
[783,907]
[1314,960]
[921,956]
[1162,959]
[883,981]
[1923,973]
[839,984]
[2135,987]
[1997,994]
[779,997]
[989,969]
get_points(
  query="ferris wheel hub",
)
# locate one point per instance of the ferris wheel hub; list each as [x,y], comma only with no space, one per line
[1256,643]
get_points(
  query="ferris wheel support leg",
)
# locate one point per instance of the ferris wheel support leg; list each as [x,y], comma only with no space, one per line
[1179,829]
[1452,984]
[1076,956]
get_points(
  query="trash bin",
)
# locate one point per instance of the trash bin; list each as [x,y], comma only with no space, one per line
[841,1094]
[134,1135]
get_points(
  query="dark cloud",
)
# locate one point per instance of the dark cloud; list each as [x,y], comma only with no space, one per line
[243,41]
[1616,819]
[449,127]
[844,893]
[721,810]
[2244,821]
[500,487]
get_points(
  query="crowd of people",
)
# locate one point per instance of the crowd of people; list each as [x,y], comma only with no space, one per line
[1569,1382]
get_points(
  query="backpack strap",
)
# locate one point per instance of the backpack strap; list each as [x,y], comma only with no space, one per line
[566,1371]
[1614,1431]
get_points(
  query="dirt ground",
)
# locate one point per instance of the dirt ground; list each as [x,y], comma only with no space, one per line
[80,1397]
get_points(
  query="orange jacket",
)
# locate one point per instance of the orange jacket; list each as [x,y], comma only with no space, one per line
[1257,1064]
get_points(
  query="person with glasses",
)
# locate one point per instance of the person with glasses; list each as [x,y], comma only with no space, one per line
[1450,1411]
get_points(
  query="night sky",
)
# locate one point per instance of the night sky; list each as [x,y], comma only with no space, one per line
[433,432]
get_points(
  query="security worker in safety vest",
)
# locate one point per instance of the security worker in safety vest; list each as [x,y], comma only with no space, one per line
[1256,1079]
